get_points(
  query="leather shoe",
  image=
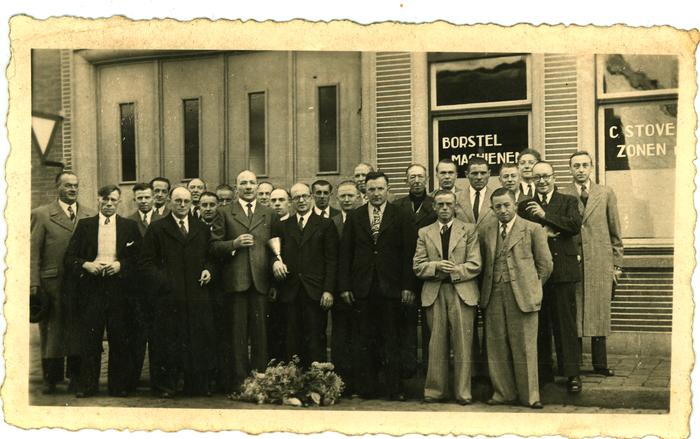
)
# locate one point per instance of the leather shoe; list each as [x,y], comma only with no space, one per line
[464,401]
[574,385]
[604,371]
[166,395]
[49,389]
[492,401]
[536,405]
[398,397]
[431,400]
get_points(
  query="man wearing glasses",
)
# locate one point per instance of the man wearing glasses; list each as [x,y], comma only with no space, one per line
[560,217]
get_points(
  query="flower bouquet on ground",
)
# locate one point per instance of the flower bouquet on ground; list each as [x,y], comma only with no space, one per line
[286,383]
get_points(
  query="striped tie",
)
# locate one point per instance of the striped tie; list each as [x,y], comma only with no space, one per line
[376,221]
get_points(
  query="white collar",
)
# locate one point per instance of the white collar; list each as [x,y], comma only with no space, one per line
[112,220]
[472,192]
[509,225]
[244,204]
[286,215]
[579,185]
[449,225]
[186,220]
[548,197]
[381,208]
[305,216]
[65,206]
[318,211]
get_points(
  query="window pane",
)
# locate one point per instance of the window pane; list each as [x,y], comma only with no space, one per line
[327,129]
[640,161]
[127,125]
[497,139]
[191,138]
[629,73]
[256,132]
[481,81]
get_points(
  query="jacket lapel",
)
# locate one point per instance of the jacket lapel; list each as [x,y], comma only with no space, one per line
[310,228]
[172,228]
[258,217]
[387,218]
[239,214]
[485,206]
[594,197]
[195,228]
[363,213]
[456,234]
[434,236]
[59,217]
[517,232]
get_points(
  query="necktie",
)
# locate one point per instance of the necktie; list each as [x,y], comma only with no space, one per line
[196,211]
[71,213]
[444,229]
[475,208]
[183,229]
[106,221]
[543,201]
[503,232]
[250,209]
[376,221]
[584,195]
[144,219]
[323,214]
[301,223]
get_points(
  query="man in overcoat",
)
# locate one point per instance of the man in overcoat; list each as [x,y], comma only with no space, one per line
[175,260]
[52,226]
[101,260]
[602,251]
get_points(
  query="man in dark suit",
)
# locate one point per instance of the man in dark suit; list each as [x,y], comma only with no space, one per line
[176,262]
[306,277]
[161,190]
[420,205]
[322,190]
[138,297]
[341,314]
[376,279]
[279,201]
[101,258]
[52,226]
[560,217]
[527,159]
[197,187]
[240,236]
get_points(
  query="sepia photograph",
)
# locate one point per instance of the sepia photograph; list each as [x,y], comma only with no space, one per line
[481,231]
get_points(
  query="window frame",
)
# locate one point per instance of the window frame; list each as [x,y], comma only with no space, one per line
[199,137]
[136,143]
[266,113]
[435,68]
[337,128]
[609,100]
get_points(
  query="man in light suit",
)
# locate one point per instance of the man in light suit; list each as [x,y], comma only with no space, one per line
[306,277]
[52,226]
[517,263]
[601,247]
[240,236]
[446,171]
[101,259]
[475,202]
[559,215]
[376,280]
[509,176]
[448,261]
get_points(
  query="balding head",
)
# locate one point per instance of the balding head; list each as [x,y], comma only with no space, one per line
[247,185]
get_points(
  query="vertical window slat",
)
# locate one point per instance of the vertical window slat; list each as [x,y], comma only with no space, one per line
[191,123]
[127,128]
[328,128]
[257,133]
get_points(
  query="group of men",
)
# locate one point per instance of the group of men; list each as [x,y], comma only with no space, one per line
[214,284]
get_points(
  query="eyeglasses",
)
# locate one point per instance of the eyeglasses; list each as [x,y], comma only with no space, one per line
[542,177]
[304,197]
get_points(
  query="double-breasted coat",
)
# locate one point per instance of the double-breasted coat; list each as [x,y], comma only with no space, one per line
[600,243]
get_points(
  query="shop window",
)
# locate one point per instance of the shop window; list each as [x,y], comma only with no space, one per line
[192,122]
[480,82]
[481,107]
[257,133]
[127,132]
[637,120]
[328,129]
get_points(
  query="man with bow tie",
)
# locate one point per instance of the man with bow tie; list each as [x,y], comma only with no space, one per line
[559,215]
[101,259]
[601,248]
[52,226]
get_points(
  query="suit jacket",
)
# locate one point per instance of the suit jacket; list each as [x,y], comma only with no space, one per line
[600,243]
[425,215]
[465,213]
[529,262]
[249,266]
[562,216]
[390,258]
[311,257]
[51,231]
[339,224]
[136,217]
[83,248]
[463,250]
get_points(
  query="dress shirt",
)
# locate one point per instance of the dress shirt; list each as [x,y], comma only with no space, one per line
[370,211]
[186,222]
[286,215]
[482,195]
[509,225]
[305,217]
[524,188]
[588,187]
[149,216]
[107,240]
[318,211]
[548,197]
[64,207]
[244,205]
